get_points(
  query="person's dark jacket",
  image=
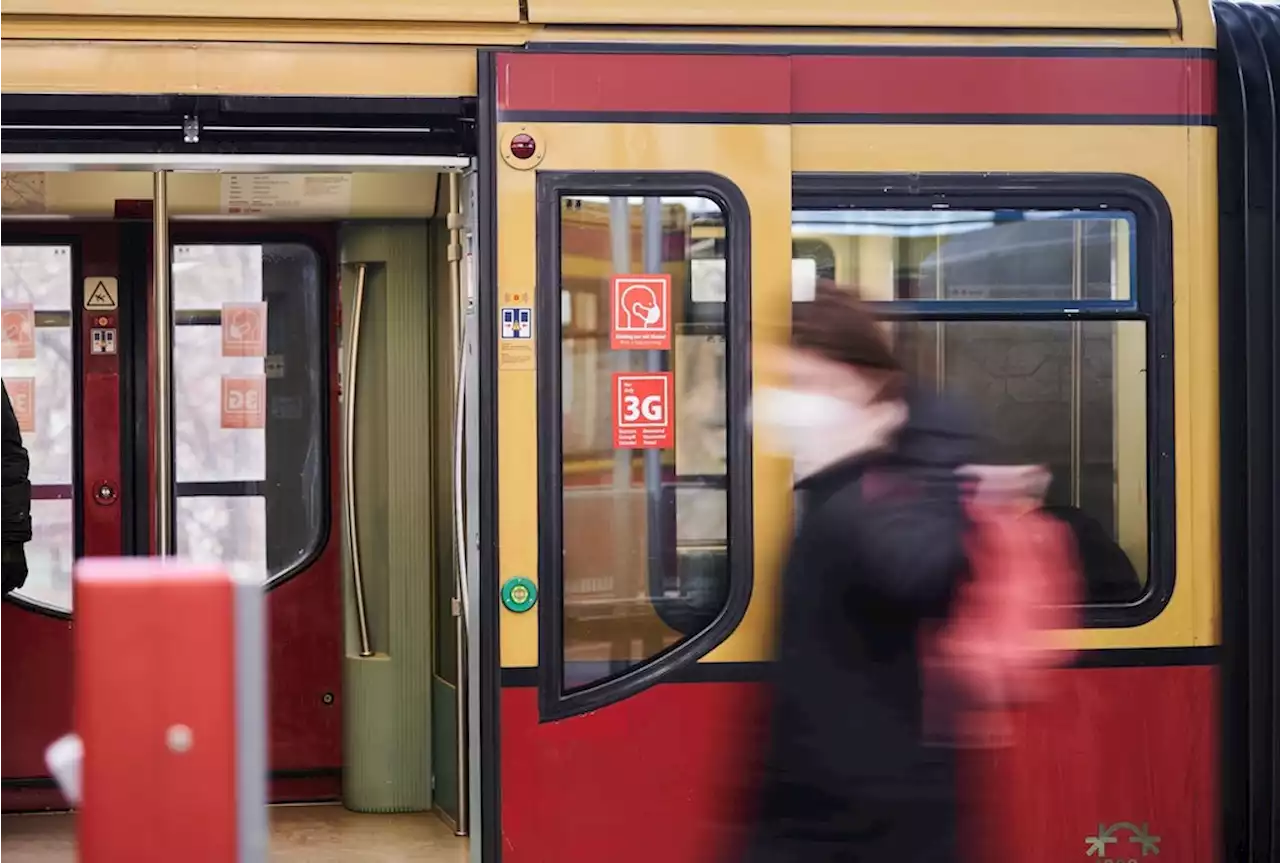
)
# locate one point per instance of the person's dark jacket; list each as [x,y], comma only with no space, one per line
[879,550]
[1109,575]
[15,509]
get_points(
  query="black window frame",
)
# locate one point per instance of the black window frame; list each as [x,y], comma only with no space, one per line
[1151,302]
[554,702]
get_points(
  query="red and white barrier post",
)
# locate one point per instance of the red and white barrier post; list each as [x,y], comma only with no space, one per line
[170,684]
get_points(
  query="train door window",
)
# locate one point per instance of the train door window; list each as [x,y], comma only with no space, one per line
[642,511]
[1044,321]
[39,375]
[249,404]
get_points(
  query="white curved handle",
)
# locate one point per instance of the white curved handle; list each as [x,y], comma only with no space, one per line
[459,480]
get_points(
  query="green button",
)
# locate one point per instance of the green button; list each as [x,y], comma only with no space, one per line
[519,594]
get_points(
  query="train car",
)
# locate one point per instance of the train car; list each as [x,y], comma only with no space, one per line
[493,277]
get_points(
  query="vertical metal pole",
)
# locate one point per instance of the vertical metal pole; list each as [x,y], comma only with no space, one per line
[1077,364]
[621,526]
[162,374]
[940,331]
[458,306]
[651,249]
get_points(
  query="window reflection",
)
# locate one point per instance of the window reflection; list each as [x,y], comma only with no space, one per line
[229,530]
[1047,392]
[203,450]
[1067,393]
[250,497]
[645,533]
[50,554]
[41,276]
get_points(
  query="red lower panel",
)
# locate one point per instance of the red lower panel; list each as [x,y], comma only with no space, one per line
[36,688]
[305,632]
[305,789]
[663,776]
[19,799]
[305,617]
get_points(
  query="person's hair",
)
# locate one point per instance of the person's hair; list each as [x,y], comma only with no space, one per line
[837,326]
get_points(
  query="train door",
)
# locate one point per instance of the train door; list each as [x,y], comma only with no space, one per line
[253,404]
[641,254]
[59,385]
[255,460]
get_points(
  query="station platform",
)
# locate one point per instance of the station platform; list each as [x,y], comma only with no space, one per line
[312,833]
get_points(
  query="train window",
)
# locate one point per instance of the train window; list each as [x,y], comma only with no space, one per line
[39,375]
[250,480]
[1031,318]
[644,529]
[645,556]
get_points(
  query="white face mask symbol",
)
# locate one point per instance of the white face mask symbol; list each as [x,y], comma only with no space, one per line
[641,306]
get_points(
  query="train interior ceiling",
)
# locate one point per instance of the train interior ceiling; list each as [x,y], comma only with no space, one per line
[315,335]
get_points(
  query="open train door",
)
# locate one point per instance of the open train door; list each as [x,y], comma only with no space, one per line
[635,248]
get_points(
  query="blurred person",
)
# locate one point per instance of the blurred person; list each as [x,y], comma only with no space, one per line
[878,554]
[16,509]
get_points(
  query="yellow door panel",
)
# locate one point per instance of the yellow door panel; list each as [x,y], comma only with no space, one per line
[1005,14]
[757,160]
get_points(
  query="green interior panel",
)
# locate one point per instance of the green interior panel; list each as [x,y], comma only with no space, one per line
[387,716]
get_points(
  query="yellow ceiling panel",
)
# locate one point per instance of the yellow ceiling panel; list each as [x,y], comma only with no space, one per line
[491,11]
[1013,14]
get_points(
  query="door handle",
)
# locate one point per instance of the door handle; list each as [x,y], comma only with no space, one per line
[349,463]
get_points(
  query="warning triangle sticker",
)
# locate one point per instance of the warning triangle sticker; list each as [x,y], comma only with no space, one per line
[101,296]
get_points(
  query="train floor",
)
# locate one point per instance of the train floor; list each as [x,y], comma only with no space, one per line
[313,833]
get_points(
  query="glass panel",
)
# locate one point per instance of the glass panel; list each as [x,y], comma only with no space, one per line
[1071,396]
[231,531]
[51,447]
[50,554]
[204,451]
[274,457]
[969,254]
[205,277]
[645,530]
[40,276]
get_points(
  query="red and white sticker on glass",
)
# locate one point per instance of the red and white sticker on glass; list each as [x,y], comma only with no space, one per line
[19,336]
[22,396]
[642,410]
[244,399]
[244,329]
[641,312]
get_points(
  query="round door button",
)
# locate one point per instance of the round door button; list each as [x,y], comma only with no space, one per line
[104,494]
[519,594]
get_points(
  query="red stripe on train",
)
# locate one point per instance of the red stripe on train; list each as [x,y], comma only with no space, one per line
[668,775]
[872,85]
[1129,86]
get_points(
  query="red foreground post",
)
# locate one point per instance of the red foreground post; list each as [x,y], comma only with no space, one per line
[171,708]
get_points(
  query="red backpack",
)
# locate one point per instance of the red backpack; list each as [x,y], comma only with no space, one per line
[993,652]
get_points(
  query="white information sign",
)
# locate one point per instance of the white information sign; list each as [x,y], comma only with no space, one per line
[286,194]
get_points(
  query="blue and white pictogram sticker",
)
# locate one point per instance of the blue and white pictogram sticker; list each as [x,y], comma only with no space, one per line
[517,323]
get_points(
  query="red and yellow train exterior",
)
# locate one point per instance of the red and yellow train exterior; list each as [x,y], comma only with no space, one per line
[611,721]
